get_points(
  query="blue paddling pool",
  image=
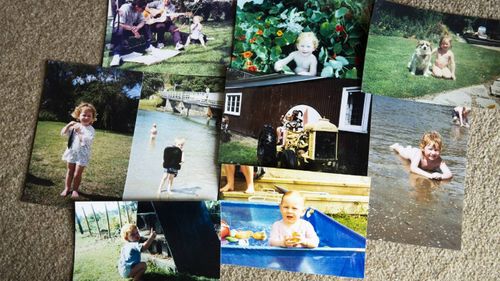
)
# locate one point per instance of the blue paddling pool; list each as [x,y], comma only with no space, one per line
[341,251]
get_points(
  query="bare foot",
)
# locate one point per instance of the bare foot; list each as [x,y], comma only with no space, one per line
[65,192]
[227,188]
[75,194]
[250,189]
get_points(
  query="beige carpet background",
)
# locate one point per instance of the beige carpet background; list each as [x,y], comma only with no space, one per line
[36,241]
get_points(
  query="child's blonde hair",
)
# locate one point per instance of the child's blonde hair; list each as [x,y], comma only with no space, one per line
[431,138]
[200,18]
[293,193]
[308,35]
[445,37]
[179,141]
[81,107]
[127,229]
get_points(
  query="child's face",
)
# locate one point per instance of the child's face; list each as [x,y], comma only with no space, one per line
[431,152]
[134,235]
[445,44]
[291,208]
[180,145]
[305,46]
[196,20]
[86,116]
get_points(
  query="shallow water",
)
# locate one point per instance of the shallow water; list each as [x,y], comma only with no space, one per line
[198,177]
[405,207]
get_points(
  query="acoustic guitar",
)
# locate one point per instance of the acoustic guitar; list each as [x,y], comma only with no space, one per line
[161,15]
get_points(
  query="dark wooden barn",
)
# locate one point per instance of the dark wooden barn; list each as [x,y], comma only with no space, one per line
[252,103]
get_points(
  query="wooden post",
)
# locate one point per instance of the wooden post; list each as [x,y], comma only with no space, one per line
[107,220]
[119,214]
[79,224]
[88,225]
[96,222]
[126,211]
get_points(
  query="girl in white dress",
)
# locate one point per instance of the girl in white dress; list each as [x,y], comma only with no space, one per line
[196,33]
[77,154]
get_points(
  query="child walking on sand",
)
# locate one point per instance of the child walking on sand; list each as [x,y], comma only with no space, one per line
[77,154]
[444,66]
[426,160]
[173,157]
[196,33]
[130,265]
[291,230]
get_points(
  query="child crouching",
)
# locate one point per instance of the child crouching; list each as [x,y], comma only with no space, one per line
[130,265]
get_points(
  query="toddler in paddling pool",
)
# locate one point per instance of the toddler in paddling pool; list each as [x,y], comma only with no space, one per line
[291,230]
[129,264]
[426,160]
[77,154]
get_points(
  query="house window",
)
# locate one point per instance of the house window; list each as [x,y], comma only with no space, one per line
[354,110]
[232,105]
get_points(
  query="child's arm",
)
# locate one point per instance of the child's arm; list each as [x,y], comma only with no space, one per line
[415,161]
[446,171]
[65,129]
[278,66]
[150,240]
[311,240]
[452,65]
[275,238]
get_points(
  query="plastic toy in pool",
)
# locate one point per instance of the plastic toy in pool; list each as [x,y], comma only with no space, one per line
[341,251]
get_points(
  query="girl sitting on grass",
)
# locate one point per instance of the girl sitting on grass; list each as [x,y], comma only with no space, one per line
[130,265]
[444,66]
[77,154]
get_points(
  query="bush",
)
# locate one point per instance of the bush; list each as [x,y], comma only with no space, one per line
[266,33]
[45,115]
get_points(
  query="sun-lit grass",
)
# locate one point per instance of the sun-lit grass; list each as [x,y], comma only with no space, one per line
[238,153]
[195,60]
[103,178]
[150,103]
[386,72]
[356,223]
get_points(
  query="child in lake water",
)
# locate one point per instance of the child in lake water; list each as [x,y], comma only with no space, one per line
[444,66]
[77,154]
[460,116]
[306,62]
[291,230]
[426,160]
[130,265]
[173,157]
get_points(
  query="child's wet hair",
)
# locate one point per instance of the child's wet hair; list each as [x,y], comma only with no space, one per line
[433,138]
[293,193]
[126,230]
[84,106]
[311,35]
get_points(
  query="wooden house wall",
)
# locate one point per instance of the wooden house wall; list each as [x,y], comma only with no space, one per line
[265,105]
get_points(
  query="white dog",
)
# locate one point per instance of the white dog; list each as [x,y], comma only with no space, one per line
[421,59]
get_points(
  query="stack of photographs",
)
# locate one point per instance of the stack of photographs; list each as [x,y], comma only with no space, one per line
[272,134]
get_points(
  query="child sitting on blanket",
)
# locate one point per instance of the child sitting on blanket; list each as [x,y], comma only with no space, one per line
[426,160]
[130,265]
[291,230]
[196,33]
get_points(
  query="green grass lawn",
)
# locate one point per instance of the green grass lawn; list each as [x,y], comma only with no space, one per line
[151,103]
[97,260]
[357,223]
[195,60]
[238,153]
[103,179]
[386,73]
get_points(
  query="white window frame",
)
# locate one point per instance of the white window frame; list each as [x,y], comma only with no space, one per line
[236,110]
[344,110]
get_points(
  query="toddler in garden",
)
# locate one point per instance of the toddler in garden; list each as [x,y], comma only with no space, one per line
[130,265]
[77,153]
[444,66]
[426,160]
[304,58]
[196,33]
[173,157]
[291,230]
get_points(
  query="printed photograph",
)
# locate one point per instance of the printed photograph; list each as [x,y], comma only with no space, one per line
[292,220]
[150,241]
[188,37]
[175,142]
[300,37]
[433,57]
[417,165]
[83,134]
[296,123]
